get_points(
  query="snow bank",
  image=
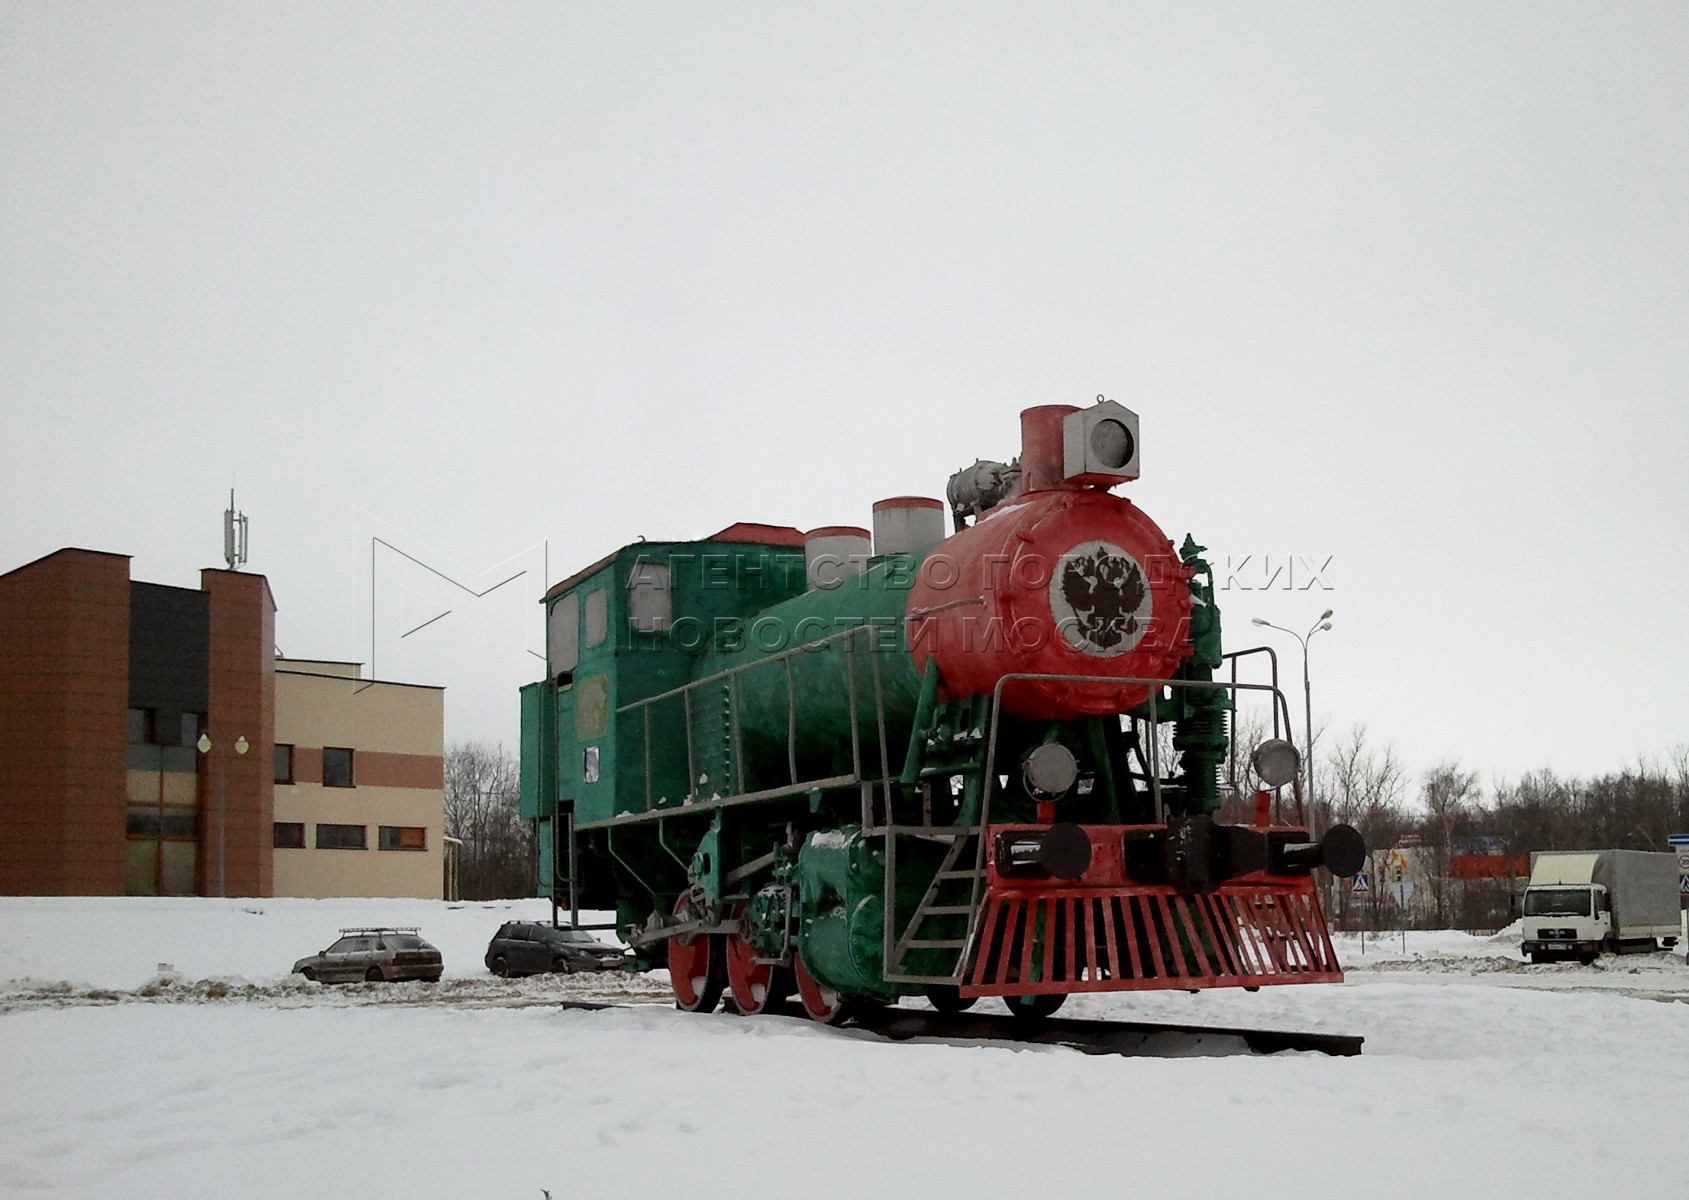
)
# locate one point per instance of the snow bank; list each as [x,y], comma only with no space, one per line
[1467,1088]
[1455,1097]
[122,942]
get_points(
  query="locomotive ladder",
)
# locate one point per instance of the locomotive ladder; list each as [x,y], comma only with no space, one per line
[954,892]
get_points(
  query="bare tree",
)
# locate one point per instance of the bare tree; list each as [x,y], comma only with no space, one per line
[1362,785]
[1450,796]
[1540,812]
[496,858]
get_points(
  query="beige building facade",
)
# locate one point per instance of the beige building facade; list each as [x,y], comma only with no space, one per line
[359,783]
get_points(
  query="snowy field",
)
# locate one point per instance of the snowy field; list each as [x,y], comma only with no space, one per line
[159,1049]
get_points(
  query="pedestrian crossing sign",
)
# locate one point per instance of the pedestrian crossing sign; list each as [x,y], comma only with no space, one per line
[1364,884]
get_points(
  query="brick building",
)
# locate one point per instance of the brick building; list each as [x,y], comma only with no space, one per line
[106,684]
[138,744]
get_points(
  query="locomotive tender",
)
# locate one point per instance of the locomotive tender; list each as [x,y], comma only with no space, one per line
[964,762]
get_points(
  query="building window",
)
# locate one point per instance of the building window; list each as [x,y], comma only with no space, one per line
[284,767]
[167,824]
[290,835]
[337,767]
[155,727]
[342,837]
[403,837]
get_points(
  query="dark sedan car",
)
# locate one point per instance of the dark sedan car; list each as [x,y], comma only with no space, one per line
[532,948]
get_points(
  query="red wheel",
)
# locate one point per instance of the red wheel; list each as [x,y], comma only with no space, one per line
[695,967]
[755,985]
[821,1003]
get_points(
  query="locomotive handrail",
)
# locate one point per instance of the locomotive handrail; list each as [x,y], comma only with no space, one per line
[850,689]
[707,806]
[735,747]
[1232,657]
[808,647]
[1150,763]
[970,942]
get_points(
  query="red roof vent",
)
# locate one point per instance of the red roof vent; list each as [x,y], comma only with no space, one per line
[767,535]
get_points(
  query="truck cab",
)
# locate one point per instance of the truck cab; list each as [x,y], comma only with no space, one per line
[1565,922]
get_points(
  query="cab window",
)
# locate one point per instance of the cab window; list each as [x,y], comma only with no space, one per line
[650,604]
[597,616]
[563,637]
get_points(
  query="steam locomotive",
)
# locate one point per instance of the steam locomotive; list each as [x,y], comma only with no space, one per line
[965,758]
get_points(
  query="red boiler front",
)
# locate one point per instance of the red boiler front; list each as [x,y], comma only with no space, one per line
[1069,583]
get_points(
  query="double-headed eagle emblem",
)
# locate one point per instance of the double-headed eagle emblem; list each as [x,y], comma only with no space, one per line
[1105,591]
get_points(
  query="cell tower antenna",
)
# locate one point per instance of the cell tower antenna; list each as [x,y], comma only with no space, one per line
[234,535]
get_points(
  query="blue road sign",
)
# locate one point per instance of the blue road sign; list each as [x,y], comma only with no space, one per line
[1678,839]
[1362,883]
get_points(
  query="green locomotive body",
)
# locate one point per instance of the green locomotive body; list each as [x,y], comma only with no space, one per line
[978,764]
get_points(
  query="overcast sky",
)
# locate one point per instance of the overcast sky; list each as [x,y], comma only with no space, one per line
[1405,286]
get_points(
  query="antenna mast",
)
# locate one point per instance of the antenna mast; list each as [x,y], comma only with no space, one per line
[234,535]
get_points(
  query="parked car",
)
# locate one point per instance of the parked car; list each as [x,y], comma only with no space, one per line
[533,948]
[374,954]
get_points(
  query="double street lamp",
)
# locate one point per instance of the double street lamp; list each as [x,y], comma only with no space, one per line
[1324,622]
[241,747]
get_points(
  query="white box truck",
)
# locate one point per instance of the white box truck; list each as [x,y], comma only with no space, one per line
[1581,902]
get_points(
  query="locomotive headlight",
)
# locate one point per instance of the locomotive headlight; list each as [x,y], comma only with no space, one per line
[1275,762]
[1100,445]
[1111,444]
[1049,771]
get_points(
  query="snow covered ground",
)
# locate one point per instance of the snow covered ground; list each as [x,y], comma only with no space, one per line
[222,1077]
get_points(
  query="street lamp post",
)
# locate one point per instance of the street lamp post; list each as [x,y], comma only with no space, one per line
[1324,622]
[241,747]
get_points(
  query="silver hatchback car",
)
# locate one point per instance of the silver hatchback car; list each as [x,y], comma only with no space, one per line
[374,954]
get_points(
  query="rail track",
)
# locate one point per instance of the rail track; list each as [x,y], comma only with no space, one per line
[618,992]
[1090,1037]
